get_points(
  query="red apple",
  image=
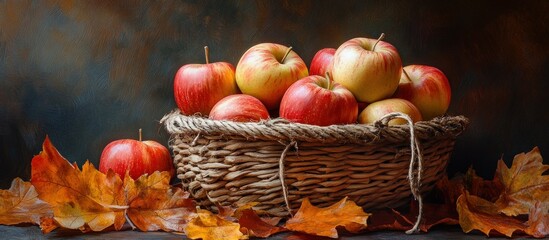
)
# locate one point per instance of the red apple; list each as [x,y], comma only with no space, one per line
[239,108]
[376,110]
[319,101]
[266,70]
[198,87]
[322,62]
[427,88]
[369,68]
[136,157]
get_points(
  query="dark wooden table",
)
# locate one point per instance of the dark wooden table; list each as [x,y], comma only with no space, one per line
[33,232]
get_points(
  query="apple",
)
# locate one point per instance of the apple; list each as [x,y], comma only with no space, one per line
[135,156]
[198,87]
[266,70]
[239,108]
[427,88]
[322,62]
[376,110]
[369,68]
[317,100]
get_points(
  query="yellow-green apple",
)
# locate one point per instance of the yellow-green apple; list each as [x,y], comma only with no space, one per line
[266,70]
[322,62]
[376,110]
[198,87]
[239,108]
[369,68]
[427,88]
[317,100]
[135,156]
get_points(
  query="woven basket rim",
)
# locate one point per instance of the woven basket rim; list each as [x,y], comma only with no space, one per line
[279,129]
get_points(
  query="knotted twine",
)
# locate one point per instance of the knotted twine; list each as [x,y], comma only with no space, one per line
[414,177]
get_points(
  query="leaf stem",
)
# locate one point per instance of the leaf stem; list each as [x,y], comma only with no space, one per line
[140,135]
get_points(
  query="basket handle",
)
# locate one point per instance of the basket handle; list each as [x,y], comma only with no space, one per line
[414,178]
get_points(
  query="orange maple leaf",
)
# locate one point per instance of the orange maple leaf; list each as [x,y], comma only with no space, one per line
[20,204]
[155,205]
[207,225]
[251,224]
[80,198]
[323,221]
[524,183]
[480,214]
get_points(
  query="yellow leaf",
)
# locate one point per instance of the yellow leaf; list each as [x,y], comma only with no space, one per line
[208,226]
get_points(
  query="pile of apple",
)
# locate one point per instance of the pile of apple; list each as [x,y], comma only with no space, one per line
[359,82]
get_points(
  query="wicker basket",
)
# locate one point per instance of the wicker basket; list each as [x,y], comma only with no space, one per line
[277,163]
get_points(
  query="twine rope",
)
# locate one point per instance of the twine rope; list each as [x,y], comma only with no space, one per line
[416,158]
[281,175]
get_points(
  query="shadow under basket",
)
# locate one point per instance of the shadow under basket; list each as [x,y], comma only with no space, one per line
[277,162]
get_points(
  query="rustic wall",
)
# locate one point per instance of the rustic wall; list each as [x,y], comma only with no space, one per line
[89,72]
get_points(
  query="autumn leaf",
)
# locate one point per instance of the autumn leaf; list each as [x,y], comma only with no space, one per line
[20,204]
[524,183]
[387,219]
[323,221]
[433,215]
[251,224]
[538,221]
[157,206]
[78,198]
[47,224]
[487,189]
[207,225]
[476,213]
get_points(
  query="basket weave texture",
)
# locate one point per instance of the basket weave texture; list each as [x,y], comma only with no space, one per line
[230,163]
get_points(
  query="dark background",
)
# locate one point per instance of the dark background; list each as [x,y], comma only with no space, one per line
[89,72]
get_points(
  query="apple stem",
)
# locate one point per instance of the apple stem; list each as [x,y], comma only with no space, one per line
[328,77]
[140,134]
[207,53]
[379,39]
[407,76]
[285,55]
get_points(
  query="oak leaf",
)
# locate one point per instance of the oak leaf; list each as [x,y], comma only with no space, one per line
[323,221]
[157,206]
[523,184]
[20,204]
[206,225]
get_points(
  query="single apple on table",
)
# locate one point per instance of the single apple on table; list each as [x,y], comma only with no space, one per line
[427,88]
[317,100]
[135,156]
[376,110]
[322,62]
[198,87]
[266,70]
[369,68]
[239,108]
